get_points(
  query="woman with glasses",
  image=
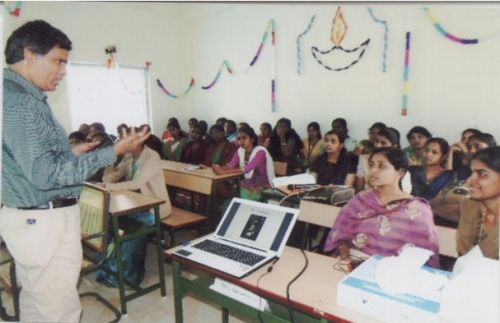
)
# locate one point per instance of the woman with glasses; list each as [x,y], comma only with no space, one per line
[254,161]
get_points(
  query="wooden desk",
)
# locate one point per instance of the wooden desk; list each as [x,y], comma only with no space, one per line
[123,203]
[201,181]
[313,294]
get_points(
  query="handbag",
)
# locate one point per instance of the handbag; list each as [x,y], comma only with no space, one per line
[446,203]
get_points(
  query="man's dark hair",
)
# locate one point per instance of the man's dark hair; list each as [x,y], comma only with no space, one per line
[38,36]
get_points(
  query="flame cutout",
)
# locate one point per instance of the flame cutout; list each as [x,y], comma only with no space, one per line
[339,28]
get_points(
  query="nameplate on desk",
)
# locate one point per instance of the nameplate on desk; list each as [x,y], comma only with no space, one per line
[192,168]
[240,294]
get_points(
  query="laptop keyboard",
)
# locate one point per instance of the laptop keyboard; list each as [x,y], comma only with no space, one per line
[223,250]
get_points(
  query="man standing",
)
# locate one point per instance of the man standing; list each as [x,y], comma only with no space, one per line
[42,176]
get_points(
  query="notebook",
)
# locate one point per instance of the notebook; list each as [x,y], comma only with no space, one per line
[249,235]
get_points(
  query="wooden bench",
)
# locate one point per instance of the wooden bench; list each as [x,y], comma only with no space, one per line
[180,219]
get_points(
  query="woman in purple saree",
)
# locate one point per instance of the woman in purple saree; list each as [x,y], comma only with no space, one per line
[384,220]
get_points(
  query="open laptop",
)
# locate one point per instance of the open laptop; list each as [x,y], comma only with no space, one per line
[249,235]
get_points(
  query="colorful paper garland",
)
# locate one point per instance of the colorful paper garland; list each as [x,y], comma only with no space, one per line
[176,96]
[270,29]
[386,31]
[14,11]
[406,74]
[225,64]
[446,34]
[299,37]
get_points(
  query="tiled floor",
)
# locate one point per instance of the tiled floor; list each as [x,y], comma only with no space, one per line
[150,308]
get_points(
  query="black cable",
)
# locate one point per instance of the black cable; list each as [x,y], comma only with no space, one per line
[290,312]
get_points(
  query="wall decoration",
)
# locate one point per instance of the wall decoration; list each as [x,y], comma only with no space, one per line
[339,29]
[111,51]
[225,64]
[270,29]
[443,32]
[299,37]
[406,72]
[386,32]
[176,96]
[13,8]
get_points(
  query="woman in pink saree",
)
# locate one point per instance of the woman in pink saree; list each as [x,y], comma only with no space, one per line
[384,220]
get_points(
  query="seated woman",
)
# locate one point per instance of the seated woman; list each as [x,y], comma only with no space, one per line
[432,177]
[221,150]
[264,137]
[475,143]
[313,144]
[153,141]
[417,137]
[479,215]
[231,131]
[194,151]
[386,137]
[143,171]
[254,161]
[386,219]
[459,152]
[335,165]
[172,146]
[285,146]
[366,146]
[341,124]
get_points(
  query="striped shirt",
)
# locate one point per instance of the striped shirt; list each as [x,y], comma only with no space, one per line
[37,162]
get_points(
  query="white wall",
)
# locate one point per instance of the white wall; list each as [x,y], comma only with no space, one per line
[453,86]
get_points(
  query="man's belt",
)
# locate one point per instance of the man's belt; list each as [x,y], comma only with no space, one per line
[54,204]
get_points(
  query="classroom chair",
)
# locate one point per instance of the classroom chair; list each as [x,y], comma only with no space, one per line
[180,219]
[280,168]
[9,284]
[95,218]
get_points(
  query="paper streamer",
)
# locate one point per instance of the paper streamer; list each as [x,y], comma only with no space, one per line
[406,85]
[362,46]
[176,96]
[386,32]
[299,37]
[446,34]
[270,30]
[225,64]
[13,10]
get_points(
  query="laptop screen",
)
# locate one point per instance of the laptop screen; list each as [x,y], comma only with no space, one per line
[258,225]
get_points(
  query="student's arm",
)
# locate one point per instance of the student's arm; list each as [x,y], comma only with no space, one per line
[148,170]
[260,157]
[466,231]
[350,180]
[229,168]
[360,174]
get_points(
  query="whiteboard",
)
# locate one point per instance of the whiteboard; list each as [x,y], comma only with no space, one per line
[108,95]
